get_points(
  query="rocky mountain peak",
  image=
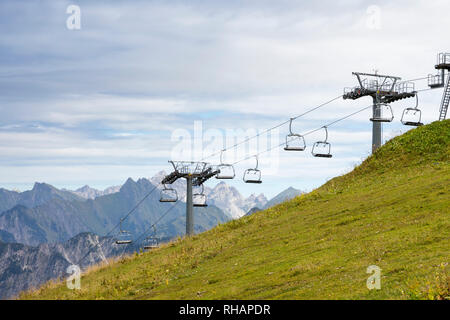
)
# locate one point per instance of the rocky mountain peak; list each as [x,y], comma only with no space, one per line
[43,187]
[85,188]
[87,192]
[129,184]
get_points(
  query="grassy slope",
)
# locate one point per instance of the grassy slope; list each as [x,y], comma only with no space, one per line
[392,211]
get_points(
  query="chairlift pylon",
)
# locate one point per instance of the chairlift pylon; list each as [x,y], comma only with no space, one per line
[168,195]
[382,113]
[322,149]
[199,199]
[294,141]
[253,175]
[124,237]
[412,116]
[226,171]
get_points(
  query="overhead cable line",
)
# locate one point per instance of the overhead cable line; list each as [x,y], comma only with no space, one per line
[417,79]
[123,218]
[293,118]
[309,132]
[272,128]
[155,223]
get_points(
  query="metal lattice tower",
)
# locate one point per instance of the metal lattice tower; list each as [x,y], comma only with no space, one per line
[383,89]
[195,173]
[443,64]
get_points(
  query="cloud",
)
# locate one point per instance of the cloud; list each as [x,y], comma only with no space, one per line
[113,92]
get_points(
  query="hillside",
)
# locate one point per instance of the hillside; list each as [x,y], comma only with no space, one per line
[391,211]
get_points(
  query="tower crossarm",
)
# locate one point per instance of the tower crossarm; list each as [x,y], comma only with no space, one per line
[206,175]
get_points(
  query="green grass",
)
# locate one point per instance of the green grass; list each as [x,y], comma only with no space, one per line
[391,211]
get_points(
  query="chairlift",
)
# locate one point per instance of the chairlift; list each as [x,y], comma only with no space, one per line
[226,171]
[151,242]
[382,113]
[412,116]
[124,237]
[199,199]
[294,141]
[322,149]
[168,195]
[253,175]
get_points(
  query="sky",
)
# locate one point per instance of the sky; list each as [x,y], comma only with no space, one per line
[138,83]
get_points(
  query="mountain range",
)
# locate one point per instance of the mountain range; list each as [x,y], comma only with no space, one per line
[87,192]
[223,196]
[64,214]
[45,229]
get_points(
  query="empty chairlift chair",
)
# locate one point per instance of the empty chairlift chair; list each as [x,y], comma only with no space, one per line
[124,237]
[412,116]
[294,141]
[168,195]
[226,171]
[151,243]
[252,175]
[199,199]
[322,149]
[382,113]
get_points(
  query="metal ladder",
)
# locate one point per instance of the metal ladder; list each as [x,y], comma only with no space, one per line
[445,100]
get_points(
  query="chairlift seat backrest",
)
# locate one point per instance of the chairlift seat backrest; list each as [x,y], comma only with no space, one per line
[322,149]
[383,113]
[226,172]
[124,237]
[151,243]
[252,176]
[168,195]
[412,116]
[199,199]
[295,142]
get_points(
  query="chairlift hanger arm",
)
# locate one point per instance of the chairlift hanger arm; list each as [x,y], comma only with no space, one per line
[290,125]
[375,75]
[221,156]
